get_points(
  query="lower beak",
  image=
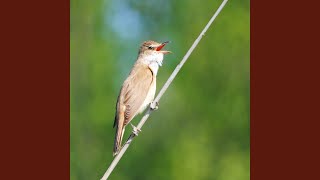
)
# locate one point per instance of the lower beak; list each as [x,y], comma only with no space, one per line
[161,46]
[165,52]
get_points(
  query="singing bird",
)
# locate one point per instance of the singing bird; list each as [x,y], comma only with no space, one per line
[138,90]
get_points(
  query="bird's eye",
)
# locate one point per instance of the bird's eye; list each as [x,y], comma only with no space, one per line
[149,47]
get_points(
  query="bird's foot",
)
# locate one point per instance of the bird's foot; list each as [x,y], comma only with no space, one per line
[135,130]
[154,105]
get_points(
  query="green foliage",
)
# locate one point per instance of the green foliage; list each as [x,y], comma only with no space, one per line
[202,127]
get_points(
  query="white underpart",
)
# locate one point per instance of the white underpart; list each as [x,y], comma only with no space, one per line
[154,61]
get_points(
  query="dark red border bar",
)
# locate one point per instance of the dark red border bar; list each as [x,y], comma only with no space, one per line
[284,90]
[34,90]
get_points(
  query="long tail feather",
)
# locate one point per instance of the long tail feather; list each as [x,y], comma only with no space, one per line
[118,137]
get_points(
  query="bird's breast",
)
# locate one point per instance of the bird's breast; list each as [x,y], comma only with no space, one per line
[150,96]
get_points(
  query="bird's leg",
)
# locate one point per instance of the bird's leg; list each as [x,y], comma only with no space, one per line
[135,130]
[154,105]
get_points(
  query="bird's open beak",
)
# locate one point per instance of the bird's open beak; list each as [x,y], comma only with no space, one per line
[161,46]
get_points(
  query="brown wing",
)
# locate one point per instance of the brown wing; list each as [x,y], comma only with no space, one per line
[133,92]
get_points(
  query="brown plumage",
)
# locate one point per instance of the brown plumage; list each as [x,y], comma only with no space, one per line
[138,90]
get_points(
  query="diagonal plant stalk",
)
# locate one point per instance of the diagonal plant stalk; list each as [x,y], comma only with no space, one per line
[162,91]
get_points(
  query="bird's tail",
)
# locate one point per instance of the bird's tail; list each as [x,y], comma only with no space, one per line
[118,138]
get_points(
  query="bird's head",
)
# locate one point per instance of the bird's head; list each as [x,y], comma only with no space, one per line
[151,51]
[152,47]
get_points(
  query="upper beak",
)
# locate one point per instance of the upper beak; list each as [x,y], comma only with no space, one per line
[161,46]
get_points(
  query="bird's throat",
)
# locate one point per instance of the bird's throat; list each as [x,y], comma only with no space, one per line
[154,66]
[153,61]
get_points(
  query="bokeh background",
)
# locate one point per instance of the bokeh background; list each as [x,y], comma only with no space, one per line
[202,127]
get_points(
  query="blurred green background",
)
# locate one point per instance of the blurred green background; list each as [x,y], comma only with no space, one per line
[202,127]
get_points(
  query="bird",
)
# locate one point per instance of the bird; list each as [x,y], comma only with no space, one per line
[138,90]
